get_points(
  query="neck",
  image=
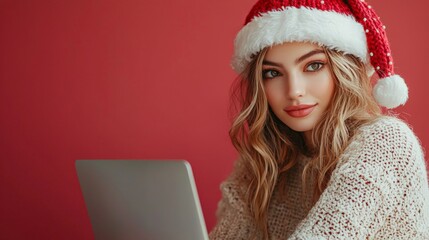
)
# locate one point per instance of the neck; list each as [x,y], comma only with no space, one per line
[308,139]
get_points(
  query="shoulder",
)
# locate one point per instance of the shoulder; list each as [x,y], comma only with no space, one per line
[386,126]
[386,133]
[387,145]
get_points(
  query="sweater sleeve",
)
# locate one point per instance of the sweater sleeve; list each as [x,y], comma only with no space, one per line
[364,187]
[233,222]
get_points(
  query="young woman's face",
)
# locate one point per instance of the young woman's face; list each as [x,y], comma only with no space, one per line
[298,84]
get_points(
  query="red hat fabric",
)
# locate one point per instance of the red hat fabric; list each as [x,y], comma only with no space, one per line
[350,26]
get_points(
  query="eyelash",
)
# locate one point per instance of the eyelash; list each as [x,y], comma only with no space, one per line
[320,64]
[264,72]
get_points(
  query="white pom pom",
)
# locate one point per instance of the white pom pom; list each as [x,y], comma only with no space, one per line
[391,92]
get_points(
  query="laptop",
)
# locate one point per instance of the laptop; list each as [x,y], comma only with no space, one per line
[141,199]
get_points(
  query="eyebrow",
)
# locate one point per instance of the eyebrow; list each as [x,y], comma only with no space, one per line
[300,59]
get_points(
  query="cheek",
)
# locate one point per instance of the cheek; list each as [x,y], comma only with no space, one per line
[324,88]
[273,93]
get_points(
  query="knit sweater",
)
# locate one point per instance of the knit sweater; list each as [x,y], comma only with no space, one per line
[378,190]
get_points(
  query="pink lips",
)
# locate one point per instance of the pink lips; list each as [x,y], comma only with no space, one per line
[299,111]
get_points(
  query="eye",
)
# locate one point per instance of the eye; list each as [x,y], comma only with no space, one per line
[270,73]
[313,67]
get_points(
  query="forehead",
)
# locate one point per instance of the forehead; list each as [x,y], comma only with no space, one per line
[290,51]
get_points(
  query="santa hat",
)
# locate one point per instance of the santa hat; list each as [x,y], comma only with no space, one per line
[349,26]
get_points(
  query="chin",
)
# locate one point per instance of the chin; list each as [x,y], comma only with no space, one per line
[301,128]
[300,125]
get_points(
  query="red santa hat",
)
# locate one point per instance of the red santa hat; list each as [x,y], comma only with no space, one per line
[350,26]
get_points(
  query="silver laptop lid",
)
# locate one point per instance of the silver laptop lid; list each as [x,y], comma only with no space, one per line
[141,199]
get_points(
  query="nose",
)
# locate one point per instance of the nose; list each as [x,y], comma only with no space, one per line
[296,87]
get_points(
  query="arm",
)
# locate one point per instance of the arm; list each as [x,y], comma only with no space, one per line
[231,224]
[363,189]
[233,221]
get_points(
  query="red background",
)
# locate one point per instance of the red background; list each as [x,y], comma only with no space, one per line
[134,79]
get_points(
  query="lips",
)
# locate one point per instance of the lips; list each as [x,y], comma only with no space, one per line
[299,111]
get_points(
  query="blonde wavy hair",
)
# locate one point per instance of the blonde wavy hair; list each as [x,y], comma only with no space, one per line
[270,149]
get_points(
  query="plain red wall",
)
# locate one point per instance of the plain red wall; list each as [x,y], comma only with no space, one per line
[134,79]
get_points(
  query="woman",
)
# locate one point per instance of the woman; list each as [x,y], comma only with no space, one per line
[318,160]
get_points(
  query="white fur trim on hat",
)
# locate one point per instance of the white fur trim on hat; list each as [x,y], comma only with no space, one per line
[289,24]
[391,91]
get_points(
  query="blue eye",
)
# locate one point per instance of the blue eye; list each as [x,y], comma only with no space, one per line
[267,74]
[312,67]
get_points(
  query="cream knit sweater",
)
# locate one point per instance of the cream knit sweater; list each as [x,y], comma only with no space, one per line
[378,190]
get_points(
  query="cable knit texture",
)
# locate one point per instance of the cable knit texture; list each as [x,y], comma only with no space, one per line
[378,190]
